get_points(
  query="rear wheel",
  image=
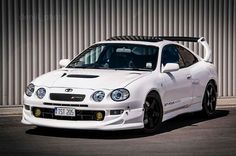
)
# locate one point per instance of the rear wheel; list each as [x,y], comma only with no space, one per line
[153,113]
[209,100]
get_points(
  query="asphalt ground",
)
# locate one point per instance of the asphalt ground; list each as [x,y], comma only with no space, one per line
[188,134]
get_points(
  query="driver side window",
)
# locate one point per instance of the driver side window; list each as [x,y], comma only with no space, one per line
[170,54]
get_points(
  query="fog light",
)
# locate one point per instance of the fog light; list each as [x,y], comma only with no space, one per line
[99,116]
[37,112]
[116,112]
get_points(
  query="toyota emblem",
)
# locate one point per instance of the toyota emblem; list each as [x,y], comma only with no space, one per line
[69,90]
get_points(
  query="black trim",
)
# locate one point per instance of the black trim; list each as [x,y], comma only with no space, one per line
[67,97]
[179,38]
[64,74]
[82,76]
[136,38]
[155,38]
[83,115]
[58,104]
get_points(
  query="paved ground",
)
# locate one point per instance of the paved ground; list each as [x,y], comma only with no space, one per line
[189,134]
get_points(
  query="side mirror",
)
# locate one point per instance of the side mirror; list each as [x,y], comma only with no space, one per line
[64,62]
[170,67]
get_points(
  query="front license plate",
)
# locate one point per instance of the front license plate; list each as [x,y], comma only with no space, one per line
[64,111]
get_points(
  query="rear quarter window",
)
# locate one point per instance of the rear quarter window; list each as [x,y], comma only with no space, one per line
[188,58]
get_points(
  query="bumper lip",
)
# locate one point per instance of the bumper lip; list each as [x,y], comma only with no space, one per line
[129,119]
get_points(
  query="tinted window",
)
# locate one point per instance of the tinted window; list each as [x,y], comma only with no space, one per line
[170,54]
[117,56]
[187,56]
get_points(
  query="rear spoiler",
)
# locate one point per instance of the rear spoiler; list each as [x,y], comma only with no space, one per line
[201,40]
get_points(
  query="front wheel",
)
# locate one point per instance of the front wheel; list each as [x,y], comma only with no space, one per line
[153,113]
[209,100]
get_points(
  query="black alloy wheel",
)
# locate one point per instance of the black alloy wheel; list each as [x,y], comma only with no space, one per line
[153,113]
[209,100]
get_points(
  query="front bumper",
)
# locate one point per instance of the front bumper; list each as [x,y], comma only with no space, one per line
[129,119]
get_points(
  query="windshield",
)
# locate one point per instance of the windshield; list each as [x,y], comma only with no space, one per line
[117,56]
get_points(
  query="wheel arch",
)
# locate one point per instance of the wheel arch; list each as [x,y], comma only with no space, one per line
[158,96]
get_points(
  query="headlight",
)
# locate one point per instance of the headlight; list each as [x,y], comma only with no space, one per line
[41,93]
[98,96]
[120,94]
[29,90]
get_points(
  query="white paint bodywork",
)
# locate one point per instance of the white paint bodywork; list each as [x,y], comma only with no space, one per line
[180,91]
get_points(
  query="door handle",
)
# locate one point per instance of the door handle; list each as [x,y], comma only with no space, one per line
[189,76]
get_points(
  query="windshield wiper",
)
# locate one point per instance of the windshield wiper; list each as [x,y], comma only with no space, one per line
[99,67]
[137,69]
[78,67]
[89,67]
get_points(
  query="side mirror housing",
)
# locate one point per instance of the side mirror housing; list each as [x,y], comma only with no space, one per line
[64,62]
[170,67]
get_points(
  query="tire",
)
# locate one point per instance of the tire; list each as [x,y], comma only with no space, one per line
[209,100]
[153,113]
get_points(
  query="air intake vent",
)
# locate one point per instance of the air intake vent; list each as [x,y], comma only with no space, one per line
[67,97]
[83,115]
[59,104]
[82,76]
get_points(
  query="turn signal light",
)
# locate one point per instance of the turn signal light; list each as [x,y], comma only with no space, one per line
[116,112]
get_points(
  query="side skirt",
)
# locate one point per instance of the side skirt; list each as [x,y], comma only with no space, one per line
[194,107]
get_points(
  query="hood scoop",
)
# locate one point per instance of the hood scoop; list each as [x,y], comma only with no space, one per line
[82,76]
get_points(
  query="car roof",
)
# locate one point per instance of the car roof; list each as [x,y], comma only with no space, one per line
[156,38]
[157,44]
[136,38]
[150,40]
[141,40]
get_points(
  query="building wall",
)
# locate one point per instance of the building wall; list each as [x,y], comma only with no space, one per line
[36,34]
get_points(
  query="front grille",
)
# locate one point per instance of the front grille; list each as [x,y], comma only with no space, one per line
[67,97]
[83,115]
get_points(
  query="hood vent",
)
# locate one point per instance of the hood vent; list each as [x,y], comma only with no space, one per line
[82,76]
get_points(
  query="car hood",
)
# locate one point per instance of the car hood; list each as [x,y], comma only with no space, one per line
[89,78]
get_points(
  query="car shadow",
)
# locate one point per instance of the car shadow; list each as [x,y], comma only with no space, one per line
[190,119]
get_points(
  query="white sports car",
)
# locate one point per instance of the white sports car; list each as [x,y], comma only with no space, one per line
[126,82]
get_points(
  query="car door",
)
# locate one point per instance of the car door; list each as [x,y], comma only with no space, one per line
[177,85]
[196,74]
